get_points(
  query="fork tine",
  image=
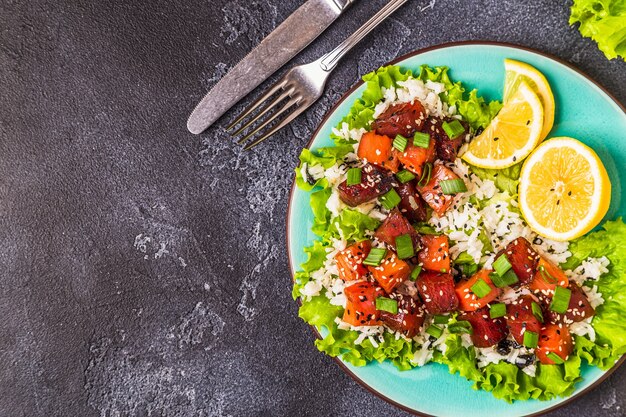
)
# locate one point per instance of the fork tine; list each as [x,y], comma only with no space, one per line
[283,109]
[275,129]
[263,111]
[273,89]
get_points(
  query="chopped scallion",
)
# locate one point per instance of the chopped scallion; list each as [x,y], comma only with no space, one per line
[481,288]
[441,319]
[537,311]
[354,176]
[390,199]
[468,269]
[555,358]
[405,176]
[404,246]
[497,310]
[387,304]
[530,339]
[453,129]
[434,331]
[375,257]
[560,300]
[400,143]
[509,278]
[415,273]
[547,277]
[461,327]
[421,139]
[454,186]
[425,178]
[501,265]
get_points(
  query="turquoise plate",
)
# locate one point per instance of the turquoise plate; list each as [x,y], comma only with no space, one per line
[584,111]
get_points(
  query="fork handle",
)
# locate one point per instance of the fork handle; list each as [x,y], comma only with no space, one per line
[329,61]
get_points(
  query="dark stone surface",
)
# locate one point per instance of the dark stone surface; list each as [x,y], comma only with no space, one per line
[143,269]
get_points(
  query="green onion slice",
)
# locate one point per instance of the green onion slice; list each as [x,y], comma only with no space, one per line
[497,310]
[453,129]
[354,176]
[390,199]
[387,304]
[501,265]
[434,331]
[547,277]
[481,288]
[400,143]
[530,339]
[404,246]
[441,319]
[375,257]
[509,278]
[415,272]
[560,301]
[555,358]
[461,327]
[421,139]
[537,311]
[405,176]
[454,186]
[425,178]
[468,269]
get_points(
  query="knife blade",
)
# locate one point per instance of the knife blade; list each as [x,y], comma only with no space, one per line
[289,38]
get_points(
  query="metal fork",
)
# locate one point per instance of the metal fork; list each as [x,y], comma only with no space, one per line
[300,87]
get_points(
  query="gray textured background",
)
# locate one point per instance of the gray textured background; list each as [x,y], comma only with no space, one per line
[143,269]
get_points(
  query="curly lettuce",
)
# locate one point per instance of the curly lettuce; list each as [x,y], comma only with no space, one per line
[604,21]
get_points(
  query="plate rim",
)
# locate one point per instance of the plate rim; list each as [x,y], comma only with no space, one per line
[343,98]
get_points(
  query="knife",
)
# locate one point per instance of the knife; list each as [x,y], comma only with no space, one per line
[289,38]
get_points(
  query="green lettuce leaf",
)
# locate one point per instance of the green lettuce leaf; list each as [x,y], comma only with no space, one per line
[326,157]
[506,179]
[319,312]
[604,21]
[351,225]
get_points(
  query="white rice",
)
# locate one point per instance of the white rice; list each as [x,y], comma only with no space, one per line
[584,328]
[589,270]
[486,356]
[348,134]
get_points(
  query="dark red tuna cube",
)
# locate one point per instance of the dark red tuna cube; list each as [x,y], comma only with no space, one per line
[487,331]
[445,147]
[412,206]
[400,119]
[437,292]
[523,260]
[578,309]
[409,319]
[374,182]
[396,225]
[520,318]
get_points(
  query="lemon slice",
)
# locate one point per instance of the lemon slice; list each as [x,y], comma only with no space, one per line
[516,72]
[564,190]
[512,134]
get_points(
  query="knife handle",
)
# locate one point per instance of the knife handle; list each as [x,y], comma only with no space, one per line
[329,61]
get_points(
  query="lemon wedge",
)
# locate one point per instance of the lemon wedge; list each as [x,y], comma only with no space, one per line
[512,134]
[564,189]
[515,73]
